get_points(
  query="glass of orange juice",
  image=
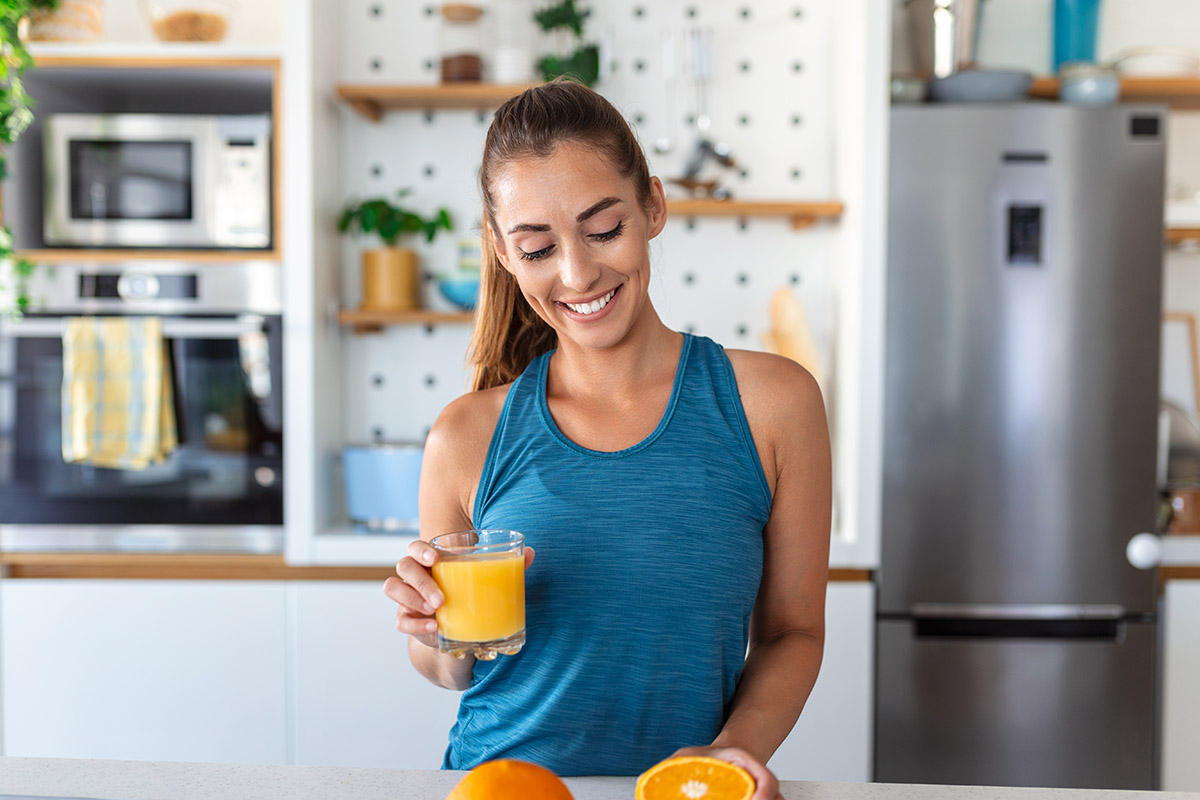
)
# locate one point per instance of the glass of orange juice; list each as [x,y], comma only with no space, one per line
[482,576]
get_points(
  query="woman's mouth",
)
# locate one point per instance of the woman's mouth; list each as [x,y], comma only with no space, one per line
[593,307]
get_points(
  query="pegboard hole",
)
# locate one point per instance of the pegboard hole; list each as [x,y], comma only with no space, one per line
[430,381]
[639,65]
[744,13]
[639,12]
[376,170]
[430,11]
[797,13]
[377,434]
[639,119]
[428,117]
[797,173]
[429,65]
[797,66]
[375,10]
[742,330]
[375,64]
[797,120]
[743,278]
[689,278]
[428,170]
[690,328]
[691,12]
[744,66]
[744,120]
[744,173]
[743,224]
[794,278]
[690,223]
[377,380]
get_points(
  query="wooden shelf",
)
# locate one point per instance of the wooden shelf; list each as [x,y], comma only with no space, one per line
[151,55]
[372,100]
[49,256]
[801,214]
[1181,235]
[375,321]
[1175,91]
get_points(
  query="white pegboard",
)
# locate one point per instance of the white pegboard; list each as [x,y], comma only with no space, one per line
[769,98]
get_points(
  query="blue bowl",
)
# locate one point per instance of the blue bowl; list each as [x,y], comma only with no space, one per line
[461,291]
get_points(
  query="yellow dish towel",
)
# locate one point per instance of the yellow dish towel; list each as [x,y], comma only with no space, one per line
[118,405]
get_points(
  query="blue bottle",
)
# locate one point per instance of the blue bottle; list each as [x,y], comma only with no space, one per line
[1076,23]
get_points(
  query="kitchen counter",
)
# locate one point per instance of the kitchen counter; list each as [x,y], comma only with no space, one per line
[160,780]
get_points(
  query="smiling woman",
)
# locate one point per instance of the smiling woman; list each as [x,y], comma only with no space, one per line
[677,494]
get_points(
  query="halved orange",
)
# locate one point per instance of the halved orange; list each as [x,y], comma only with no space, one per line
[695,778]
[509,779]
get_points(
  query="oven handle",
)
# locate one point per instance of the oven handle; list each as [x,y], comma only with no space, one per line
[173,327]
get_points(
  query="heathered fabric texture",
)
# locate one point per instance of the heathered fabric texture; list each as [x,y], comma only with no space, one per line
[638,601]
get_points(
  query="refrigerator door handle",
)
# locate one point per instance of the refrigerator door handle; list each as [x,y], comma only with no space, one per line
[1047,611]
[1095,622]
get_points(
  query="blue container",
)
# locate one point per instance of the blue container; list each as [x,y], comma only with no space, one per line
[1076,23]
[381,487]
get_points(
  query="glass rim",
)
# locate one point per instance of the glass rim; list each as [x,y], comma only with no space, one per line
[512,539]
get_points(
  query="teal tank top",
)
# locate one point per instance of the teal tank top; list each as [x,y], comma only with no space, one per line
[638,601]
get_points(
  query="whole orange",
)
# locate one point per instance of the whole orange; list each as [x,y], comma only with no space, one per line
[509,779]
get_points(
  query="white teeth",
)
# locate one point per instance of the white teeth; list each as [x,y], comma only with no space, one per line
[592,307]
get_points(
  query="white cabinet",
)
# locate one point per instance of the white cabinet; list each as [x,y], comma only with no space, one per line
[359,702]
[832,739]
[161,670]
[1181,687]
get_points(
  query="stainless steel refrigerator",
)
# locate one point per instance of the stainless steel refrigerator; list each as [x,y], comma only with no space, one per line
[1016,644]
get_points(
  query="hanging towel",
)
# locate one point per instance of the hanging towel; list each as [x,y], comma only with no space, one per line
[118,405]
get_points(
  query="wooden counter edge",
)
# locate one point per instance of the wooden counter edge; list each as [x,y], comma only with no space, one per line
[236,567]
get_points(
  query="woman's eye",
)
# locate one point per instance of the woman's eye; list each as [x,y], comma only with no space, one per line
[536,254]
[614,233]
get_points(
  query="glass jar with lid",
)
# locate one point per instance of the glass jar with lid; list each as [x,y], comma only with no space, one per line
[461,42]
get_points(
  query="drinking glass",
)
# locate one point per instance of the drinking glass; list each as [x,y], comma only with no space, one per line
[482,576]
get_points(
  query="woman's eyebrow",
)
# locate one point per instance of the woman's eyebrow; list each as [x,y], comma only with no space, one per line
[597,208]
[583,215]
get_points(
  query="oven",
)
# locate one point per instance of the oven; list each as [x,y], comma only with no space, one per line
[222,487]
[157,180]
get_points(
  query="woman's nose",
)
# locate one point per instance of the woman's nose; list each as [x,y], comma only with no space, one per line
[577,270]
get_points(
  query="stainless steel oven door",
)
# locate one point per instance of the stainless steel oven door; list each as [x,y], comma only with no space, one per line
[149,180]
[221,489]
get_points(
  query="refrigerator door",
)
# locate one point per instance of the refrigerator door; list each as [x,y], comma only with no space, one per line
[1023,317]
[960,704]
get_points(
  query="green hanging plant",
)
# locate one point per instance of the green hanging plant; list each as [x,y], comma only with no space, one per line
[16,113]
[583,63]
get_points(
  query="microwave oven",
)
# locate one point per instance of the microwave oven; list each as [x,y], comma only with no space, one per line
[157,181]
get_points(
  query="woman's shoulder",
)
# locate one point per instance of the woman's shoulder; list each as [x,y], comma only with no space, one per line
[469,419]
[775,390]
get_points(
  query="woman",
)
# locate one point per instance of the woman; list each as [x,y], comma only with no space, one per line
[677,495]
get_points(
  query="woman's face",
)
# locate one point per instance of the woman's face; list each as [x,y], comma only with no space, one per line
[571,230]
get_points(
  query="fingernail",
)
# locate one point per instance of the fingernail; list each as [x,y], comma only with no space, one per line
[427,557]
[428,608]
[436,599]
[431,626]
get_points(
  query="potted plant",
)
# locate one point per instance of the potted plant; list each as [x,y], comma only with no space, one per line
[390,274]
[16,112]
[583,63]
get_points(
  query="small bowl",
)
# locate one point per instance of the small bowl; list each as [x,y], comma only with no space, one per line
[981,86]
[190,20]
[1088,84]
[461,290]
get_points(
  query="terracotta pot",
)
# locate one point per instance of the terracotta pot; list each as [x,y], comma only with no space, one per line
[390,279]
[72,21]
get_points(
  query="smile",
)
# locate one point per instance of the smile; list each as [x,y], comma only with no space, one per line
[592,307]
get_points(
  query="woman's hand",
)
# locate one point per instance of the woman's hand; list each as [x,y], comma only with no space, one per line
[416,593]
[766,785]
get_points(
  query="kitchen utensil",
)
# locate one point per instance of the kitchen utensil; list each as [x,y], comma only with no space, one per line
[1084,83]
[190,20]
[944,34]
[381,486]
[1075,26]
[981,86]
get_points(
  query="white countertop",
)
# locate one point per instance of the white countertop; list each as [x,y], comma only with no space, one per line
[160,780]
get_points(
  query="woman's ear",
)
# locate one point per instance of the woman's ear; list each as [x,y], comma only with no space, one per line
[657,212]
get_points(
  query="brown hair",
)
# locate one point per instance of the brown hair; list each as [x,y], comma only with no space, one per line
[508,333]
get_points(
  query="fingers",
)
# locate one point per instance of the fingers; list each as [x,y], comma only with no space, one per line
[415,593]
[528,557]
[766,785]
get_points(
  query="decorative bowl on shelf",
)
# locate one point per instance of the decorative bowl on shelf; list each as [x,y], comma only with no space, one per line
[461,289]
[190,20]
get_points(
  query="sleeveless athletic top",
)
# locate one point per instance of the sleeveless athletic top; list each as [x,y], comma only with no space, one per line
[638,601]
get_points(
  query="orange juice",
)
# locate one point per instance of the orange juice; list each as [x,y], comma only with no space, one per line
[485,597]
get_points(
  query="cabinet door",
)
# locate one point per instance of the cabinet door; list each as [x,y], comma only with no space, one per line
[832,739]
[157,670]
[1181,687]
[358,700]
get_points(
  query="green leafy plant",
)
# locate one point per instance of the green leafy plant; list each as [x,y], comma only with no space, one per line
[391,222]
[16,113]
[583,63]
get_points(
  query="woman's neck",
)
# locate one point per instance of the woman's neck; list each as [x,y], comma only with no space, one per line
[648,354]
